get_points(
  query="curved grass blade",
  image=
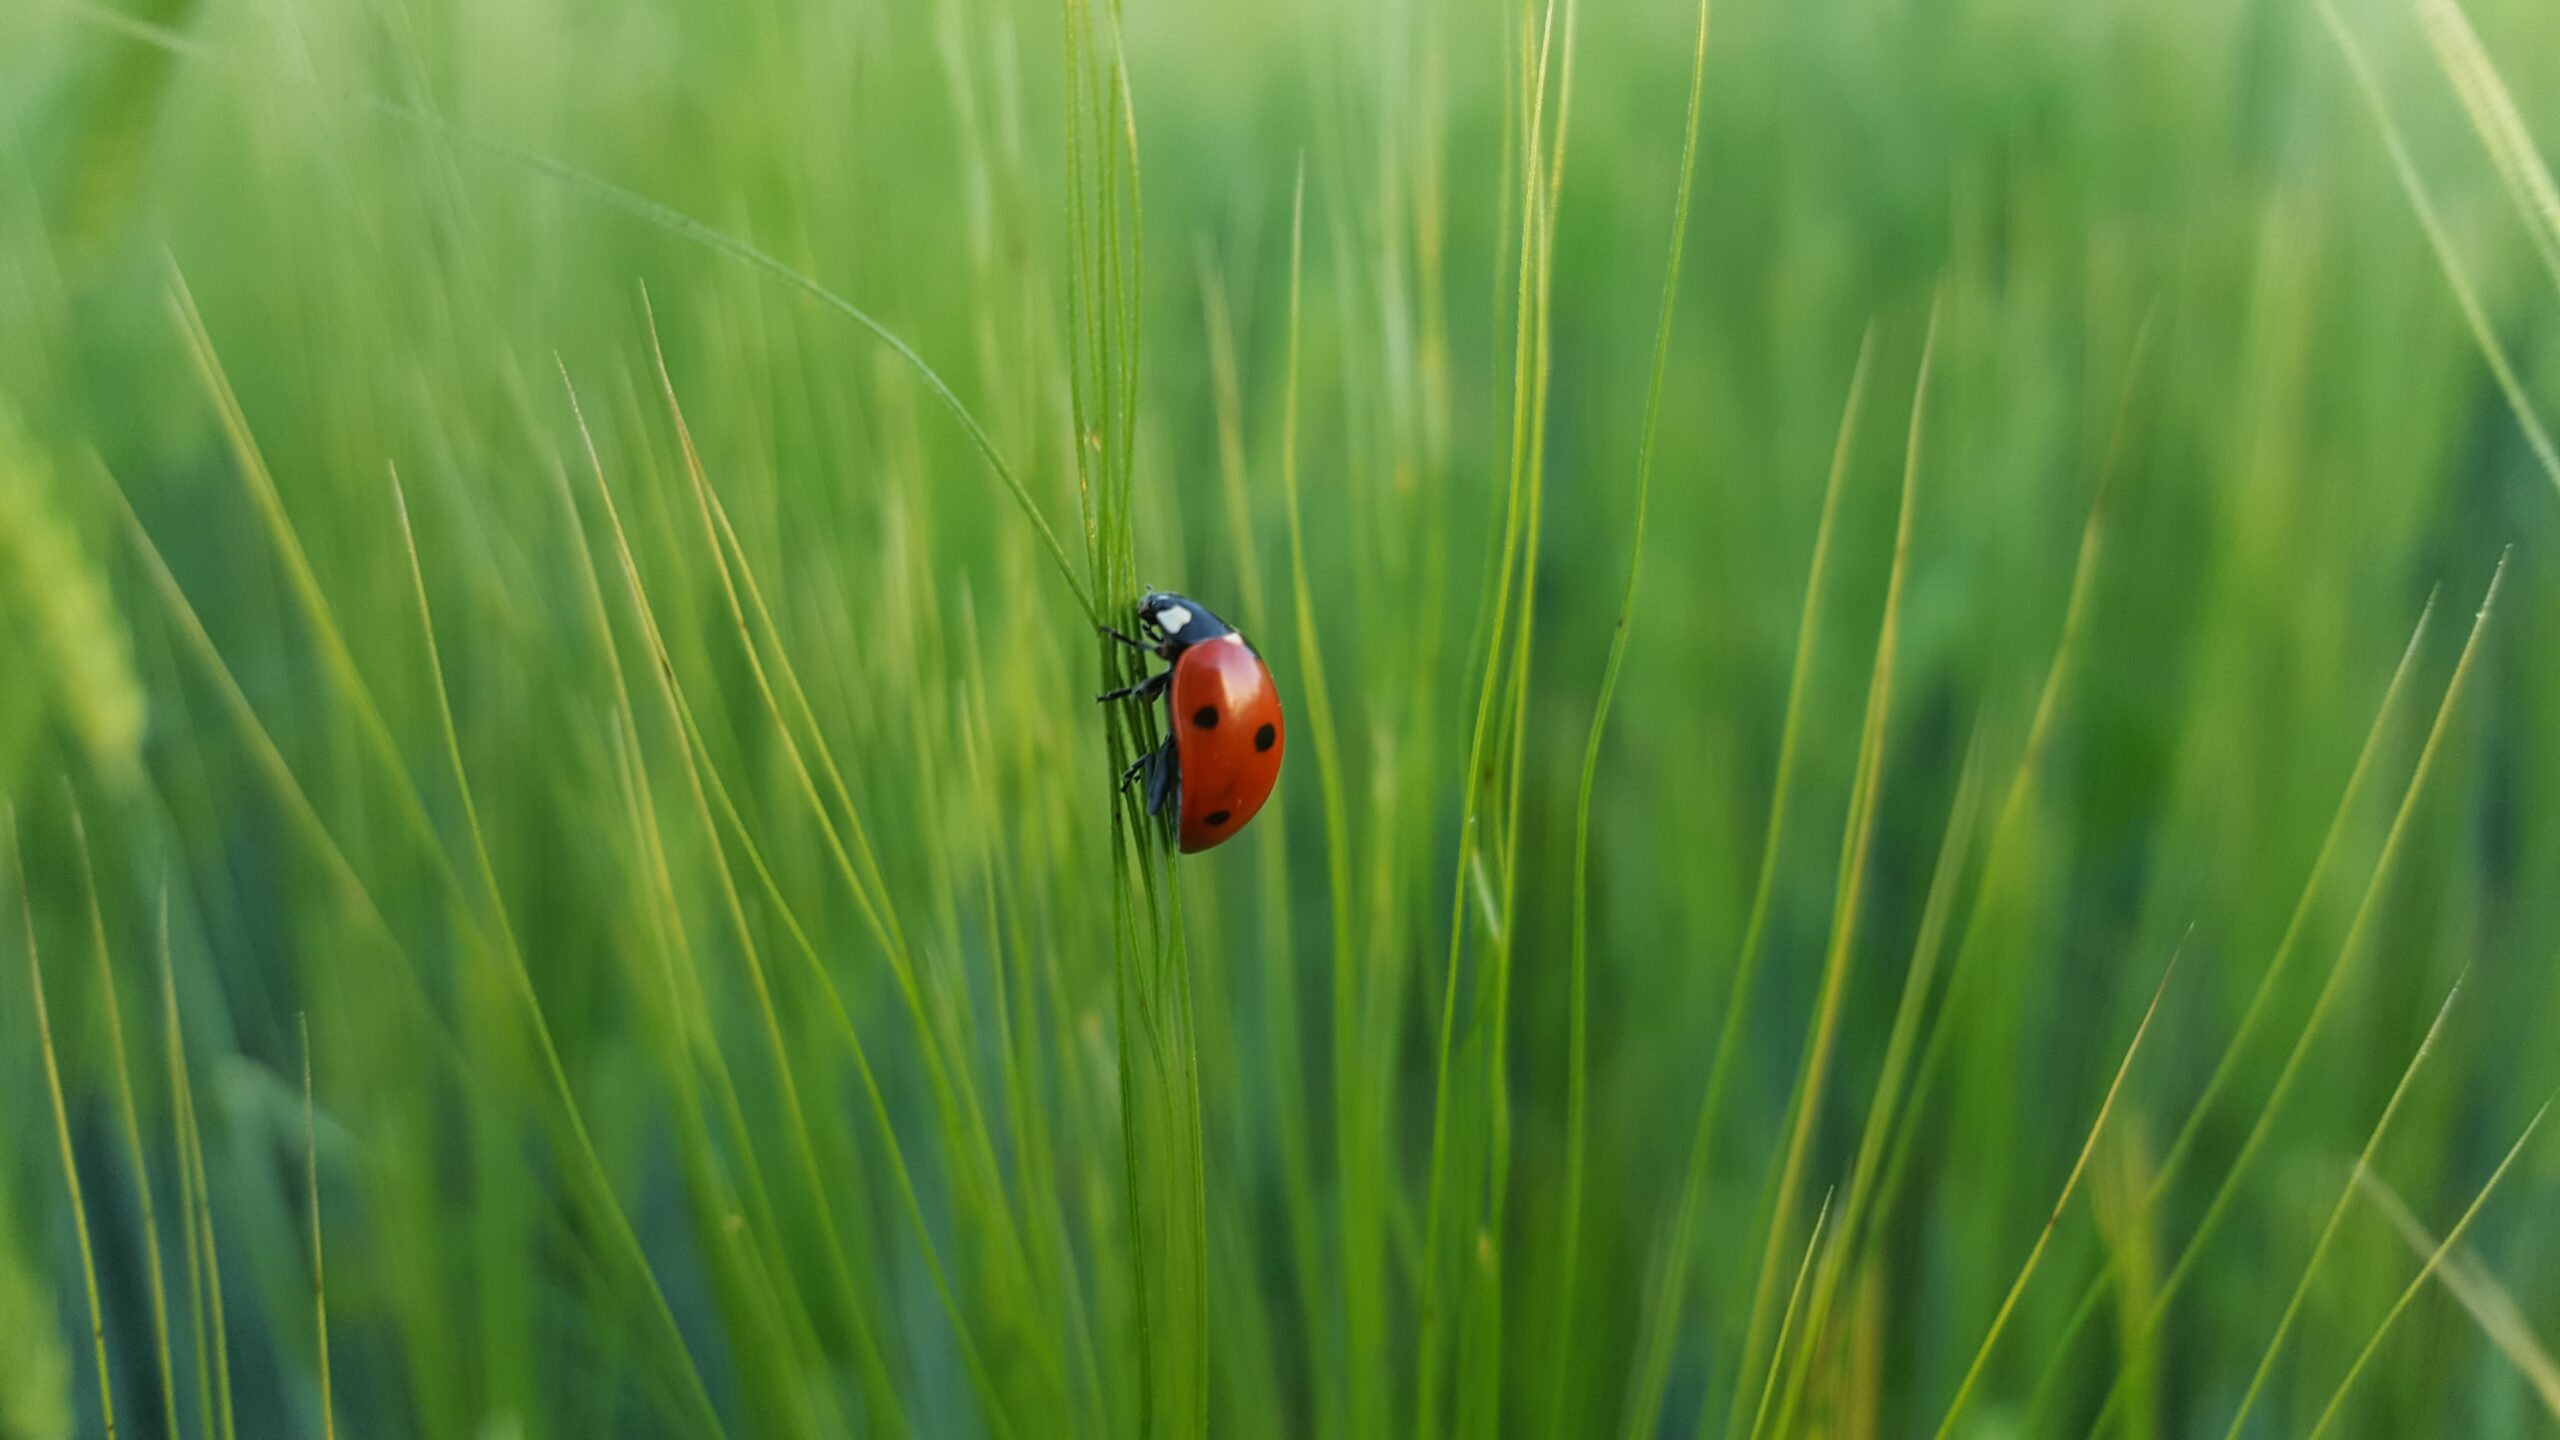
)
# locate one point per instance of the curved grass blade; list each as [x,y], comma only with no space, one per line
[664,217]
[131,1114]
[62,1130]
[2502,130]
[2457,276]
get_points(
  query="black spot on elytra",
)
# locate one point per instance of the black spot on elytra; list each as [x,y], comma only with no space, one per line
[1214,817]
[1266,737]
[1206,717]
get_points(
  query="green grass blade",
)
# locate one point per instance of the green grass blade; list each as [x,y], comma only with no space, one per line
[131,1114]
[319,1263]
[2457,275]
[62,1130]
[2070,1183]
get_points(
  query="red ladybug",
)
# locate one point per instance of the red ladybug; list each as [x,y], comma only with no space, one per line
[1223,756]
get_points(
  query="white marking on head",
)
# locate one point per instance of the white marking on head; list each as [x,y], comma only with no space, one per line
[1172,618]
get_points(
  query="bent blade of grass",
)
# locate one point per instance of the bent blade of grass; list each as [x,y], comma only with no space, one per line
[2394,840]
[1653,1376]
[2478,1291]
[652,212]
[2228,1063]
[1577,1042]
[1822,1025]
[2457,276]
[2070,1183]
[131,1115]
[62,1128]
[2338,1212]
[2501,128]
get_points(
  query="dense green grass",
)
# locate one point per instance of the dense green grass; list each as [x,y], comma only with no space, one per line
[1922,794]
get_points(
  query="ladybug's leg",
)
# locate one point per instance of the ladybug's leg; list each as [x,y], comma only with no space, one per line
[1164,650]
[1134,771]
[1162,776]
[1164,779]
[1147,689]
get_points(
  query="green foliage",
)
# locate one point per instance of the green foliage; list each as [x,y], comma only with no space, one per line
[549,557]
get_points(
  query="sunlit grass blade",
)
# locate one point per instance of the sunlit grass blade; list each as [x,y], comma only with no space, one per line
[1661,1330]
[2501,128]
[2457,275]
[62,1128]
[2338,1213]
[2478,1291]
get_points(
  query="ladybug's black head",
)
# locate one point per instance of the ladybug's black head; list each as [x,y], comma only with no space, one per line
[1180,621]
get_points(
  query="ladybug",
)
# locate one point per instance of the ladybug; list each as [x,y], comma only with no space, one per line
[1223,756]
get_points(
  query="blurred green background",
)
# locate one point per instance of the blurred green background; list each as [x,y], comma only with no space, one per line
[675,808]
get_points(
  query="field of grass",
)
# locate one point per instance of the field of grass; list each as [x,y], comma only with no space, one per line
[1924,760]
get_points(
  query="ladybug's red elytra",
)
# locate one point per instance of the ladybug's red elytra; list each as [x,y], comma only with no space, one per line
[1223,756]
